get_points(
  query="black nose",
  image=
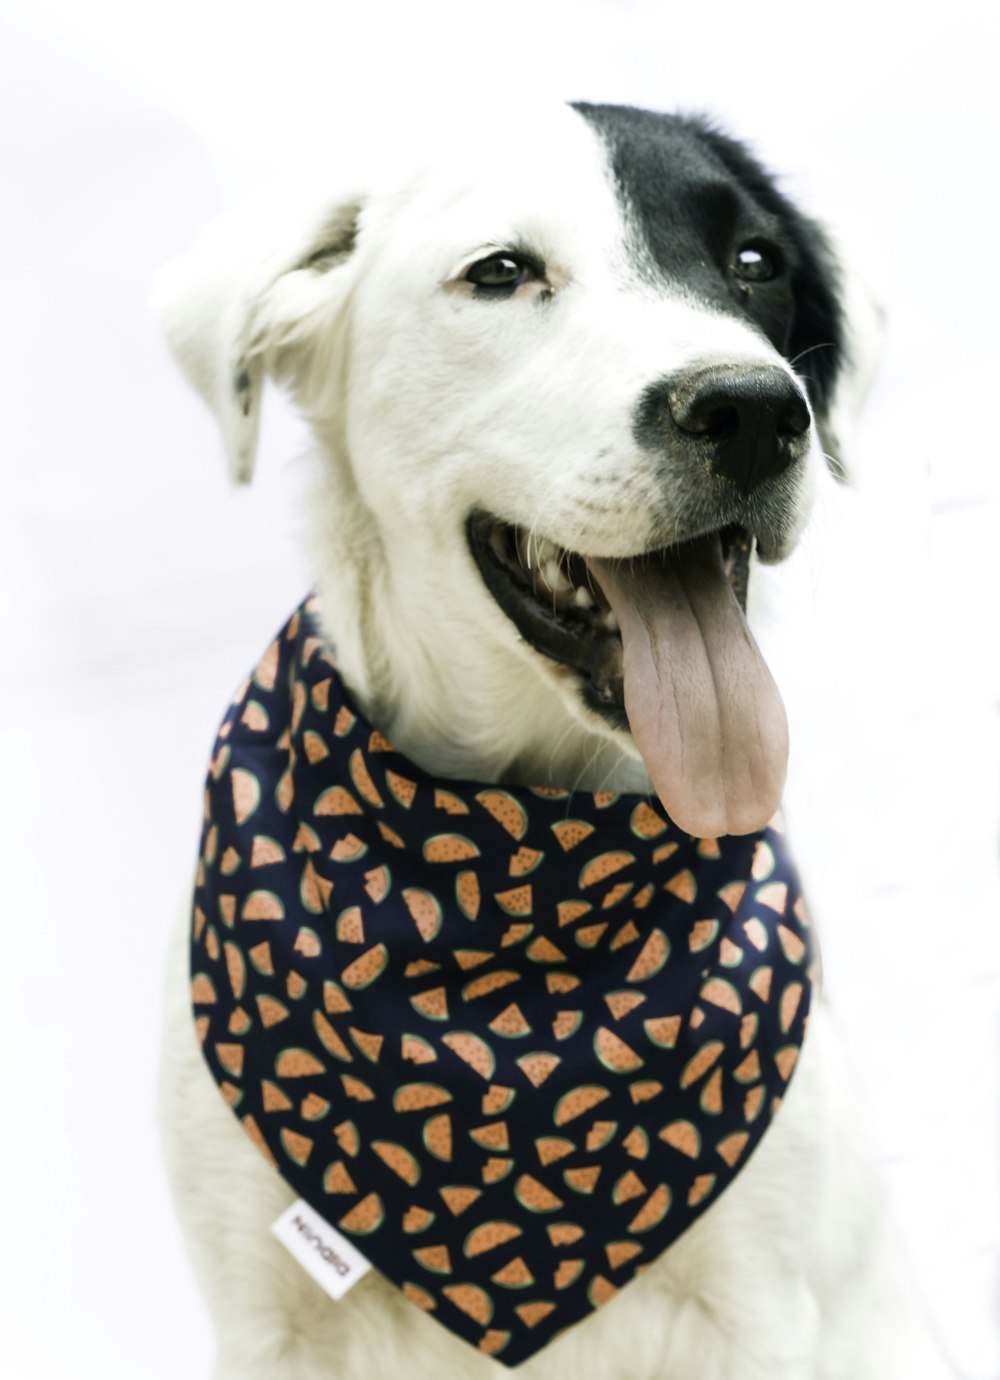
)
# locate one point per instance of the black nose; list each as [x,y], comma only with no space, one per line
[748,421]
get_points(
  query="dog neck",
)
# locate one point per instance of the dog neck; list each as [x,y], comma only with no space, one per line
[455,700]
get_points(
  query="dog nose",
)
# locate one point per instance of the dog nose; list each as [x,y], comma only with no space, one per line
[747,420]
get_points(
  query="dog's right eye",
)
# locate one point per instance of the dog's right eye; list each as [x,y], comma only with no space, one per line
[502,274]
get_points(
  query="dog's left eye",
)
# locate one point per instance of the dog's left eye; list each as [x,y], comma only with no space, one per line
[757,262]
[502,273]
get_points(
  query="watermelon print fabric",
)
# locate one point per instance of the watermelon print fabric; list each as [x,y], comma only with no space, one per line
[512,1042]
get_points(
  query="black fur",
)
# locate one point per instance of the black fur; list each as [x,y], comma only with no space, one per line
[693,197]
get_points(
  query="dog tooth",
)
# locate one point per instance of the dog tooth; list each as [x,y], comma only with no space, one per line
[554,577]
[609,622]
[583,598]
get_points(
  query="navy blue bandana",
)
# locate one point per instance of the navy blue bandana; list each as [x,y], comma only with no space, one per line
[512,1042]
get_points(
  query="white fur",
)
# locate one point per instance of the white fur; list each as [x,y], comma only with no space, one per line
[419,400]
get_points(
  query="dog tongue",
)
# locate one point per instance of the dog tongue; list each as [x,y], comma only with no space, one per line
[703,708]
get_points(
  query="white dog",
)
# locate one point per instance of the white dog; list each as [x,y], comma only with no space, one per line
[550,349]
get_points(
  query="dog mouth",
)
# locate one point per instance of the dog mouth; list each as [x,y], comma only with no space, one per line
[660,646]
[559,606]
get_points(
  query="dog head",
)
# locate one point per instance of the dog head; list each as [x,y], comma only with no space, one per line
[565,377]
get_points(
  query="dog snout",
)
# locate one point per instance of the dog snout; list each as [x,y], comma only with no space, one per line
[749,424]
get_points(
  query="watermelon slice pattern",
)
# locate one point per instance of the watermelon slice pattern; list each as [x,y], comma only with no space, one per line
[512,1042]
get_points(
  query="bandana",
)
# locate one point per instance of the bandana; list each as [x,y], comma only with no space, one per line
[511,1042]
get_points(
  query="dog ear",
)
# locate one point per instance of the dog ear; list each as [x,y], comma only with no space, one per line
[836,335]
[861,334]
[243,292]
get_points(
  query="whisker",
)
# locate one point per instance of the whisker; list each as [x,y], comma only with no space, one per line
[823,345]
[837,466]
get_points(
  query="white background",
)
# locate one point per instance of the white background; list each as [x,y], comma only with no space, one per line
[135,588]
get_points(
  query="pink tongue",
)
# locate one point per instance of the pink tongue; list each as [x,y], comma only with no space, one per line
[704,711]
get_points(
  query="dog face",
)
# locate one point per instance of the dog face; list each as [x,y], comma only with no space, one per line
[553,379]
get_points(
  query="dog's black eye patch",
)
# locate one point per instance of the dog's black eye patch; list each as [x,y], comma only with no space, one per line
[670,172]
[758,262]
[502,273]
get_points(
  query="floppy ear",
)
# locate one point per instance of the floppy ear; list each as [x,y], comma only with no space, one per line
[836,335]
[245,290]
[861,334]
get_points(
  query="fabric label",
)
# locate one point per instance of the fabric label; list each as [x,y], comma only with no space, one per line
[320,1249]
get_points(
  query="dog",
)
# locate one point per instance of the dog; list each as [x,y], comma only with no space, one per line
[570,378]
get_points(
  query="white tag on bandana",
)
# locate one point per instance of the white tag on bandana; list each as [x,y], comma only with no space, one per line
[320,1249]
